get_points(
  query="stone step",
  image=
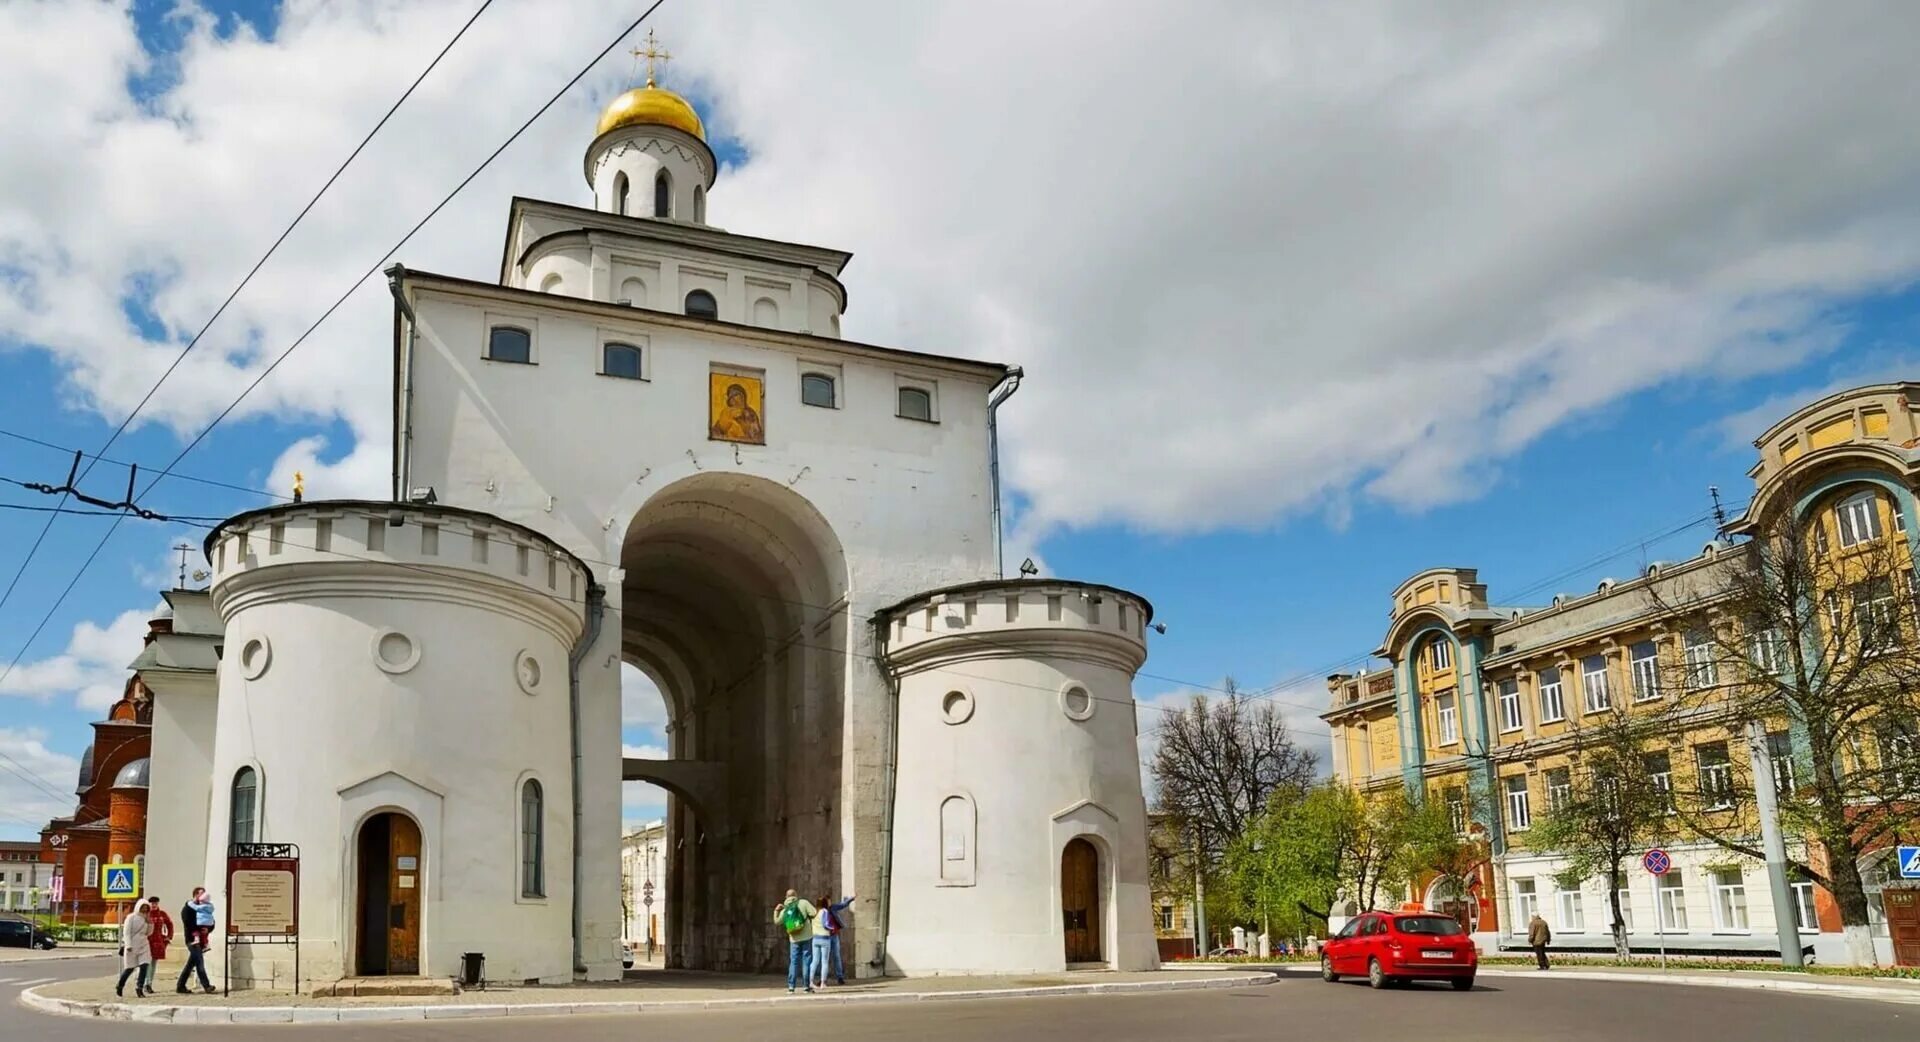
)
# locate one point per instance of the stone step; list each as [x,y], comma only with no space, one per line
[384,986]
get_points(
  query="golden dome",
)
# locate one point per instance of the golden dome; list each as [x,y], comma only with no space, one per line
[652,106]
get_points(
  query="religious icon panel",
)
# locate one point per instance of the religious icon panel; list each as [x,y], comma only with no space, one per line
[735,401]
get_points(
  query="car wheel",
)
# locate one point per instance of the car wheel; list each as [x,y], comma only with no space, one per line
[1376,977]
[1463,984]
[1326,970]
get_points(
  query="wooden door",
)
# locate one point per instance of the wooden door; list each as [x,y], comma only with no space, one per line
[1903,923]
[391,886]
[1080,900]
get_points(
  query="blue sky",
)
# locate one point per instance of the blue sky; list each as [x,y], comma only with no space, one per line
[1269,551]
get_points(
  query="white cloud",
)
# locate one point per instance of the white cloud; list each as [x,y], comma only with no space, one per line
[25,805]
[641,704]
[1253,257]
[93,668]
[644,752]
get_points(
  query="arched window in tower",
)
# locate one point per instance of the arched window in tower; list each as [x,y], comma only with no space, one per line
[92,878]
[700,204]
[622,193]
[700,304]
[533,867]
[662,195]
[243,812]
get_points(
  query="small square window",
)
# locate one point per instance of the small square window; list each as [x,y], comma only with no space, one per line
[506,343]
[820,389]
[621,359]
[916,403]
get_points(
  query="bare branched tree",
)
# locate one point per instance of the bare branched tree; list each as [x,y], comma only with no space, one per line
[1219,764]
[1807,631]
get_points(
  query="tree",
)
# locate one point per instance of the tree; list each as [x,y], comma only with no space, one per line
[1808,632]
[1220,762]
[1327,846]
[1610,805]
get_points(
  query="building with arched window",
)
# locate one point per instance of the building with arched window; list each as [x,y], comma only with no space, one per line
[683,468]
[1490,707]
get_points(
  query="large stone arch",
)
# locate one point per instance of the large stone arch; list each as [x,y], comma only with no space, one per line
[733,599]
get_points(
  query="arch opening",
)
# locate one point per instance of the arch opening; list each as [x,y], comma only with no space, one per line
[733,604]
[390,889]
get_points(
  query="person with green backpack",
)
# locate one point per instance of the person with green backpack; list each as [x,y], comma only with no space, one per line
[795,915]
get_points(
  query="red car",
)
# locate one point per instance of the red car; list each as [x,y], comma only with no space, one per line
[1389,947]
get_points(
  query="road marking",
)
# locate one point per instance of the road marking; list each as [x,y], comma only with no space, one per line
[28,983]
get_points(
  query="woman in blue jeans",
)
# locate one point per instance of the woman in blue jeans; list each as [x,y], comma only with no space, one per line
[826,942]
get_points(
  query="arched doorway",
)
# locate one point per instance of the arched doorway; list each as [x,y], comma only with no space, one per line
[1080,901]
[733,602]
[390,893]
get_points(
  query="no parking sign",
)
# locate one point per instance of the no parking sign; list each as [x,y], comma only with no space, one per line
[1656,861]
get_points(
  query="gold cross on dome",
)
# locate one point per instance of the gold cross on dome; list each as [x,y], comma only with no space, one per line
[653,55]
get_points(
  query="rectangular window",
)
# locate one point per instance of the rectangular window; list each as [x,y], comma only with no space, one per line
[1874,616]
[1768,652]
[1660,773]
[1526,903]
[1716,775]
[1166,917]
[1730,900]
[1702,671]
[1509,706]
[1804,917]
[1900,756]
[1858,517]
[510,344]
[1519,810]
[1780,756]
[1626,910]
[1645,658]
[1573,917]
[1672,901]
[1440,654]
[1553,706]
[1457,811]
[1559,788]
[1593,683]
[1449,719]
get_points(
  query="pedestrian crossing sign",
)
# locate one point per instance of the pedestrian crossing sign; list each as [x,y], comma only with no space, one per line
[1909,859]
[122,882]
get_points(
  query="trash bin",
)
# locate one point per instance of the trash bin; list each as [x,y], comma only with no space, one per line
[473,969]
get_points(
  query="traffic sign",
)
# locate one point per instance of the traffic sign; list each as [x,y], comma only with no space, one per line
[1656,861]
[1908,859]
[122,883]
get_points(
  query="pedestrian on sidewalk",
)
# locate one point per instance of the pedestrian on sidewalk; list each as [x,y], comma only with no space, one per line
[831,922]
[795,915]
[1538,937]
[158,940]
[136,955]
[196,921]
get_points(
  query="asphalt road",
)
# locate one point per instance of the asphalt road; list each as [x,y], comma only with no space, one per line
[1522,1009]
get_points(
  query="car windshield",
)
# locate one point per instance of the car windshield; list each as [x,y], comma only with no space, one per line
[1438,925]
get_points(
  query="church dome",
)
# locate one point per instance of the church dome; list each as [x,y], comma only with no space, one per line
[86,770]
[132,776]
[651,106]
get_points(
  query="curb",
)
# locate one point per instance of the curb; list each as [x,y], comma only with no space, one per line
[1809,987]
[33,999]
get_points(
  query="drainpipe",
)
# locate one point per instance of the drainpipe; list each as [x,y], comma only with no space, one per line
[1004,390]
[596,611]
[891,787]
[403,432]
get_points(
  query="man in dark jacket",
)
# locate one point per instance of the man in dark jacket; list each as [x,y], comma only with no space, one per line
[196,921]
[1538,937]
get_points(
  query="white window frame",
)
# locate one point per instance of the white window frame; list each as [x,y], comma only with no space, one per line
[1569,910]
[1716,779]
[1875,617]
[1166,918]
[932,389]
[1526,903]
[1595,695]
[1806,913]
[1456,801]
[490,319]
[1670,902]
[608,338]
[531,839]
[91,877]
[1439,654]
[1786,781]
[1702,671]
[1518,802]
[1644,658]
[1857,518]
[1626,910]
[831,372]
[1766,651]
[1662,780]
[1559,793]
[1511,718]
[1553,697]
[1730,911]
[1447,710]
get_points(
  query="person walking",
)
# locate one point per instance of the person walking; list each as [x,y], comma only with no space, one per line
[158,940]
[136,955]
[1538,937]
[795,915]
[830,920]
[196,921]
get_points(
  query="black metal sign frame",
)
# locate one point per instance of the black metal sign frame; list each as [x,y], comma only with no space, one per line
[250,852]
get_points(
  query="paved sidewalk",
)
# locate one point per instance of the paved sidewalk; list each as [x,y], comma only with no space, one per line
[658,991]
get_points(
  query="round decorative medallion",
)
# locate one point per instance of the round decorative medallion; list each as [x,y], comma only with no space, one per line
[255,656]
[1076,701]
[394,651]
[956,706]
[526,670]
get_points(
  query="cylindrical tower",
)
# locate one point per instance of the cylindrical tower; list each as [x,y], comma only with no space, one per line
[1020,828]
[393,698]
[650,158]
